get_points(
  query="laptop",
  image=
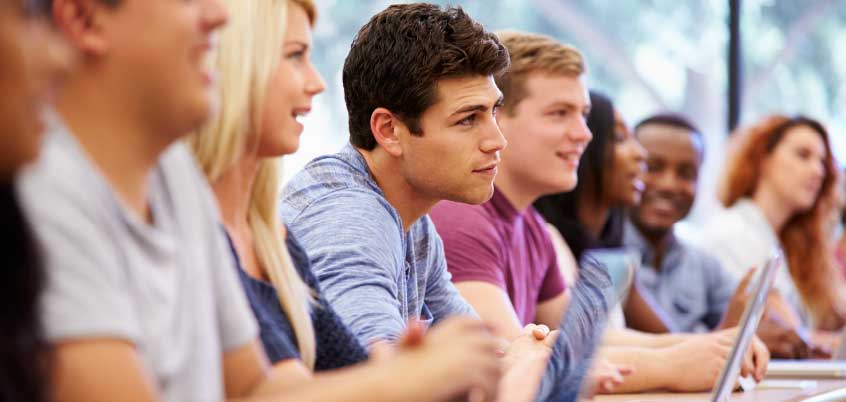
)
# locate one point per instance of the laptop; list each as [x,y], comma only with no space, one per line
[760,288]
[818,369]
[620,263]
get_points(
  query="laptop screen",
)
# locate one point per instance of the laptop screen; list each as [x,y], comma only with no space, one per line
[761,286]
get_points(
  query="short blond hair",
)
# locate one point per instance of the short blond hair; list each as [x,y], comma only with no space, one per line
[531,53]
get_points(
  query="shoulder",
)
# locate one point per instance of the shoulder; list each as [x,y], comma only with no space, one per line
[704,259]
[322,176]
[346,210]
[66,199]
[458,219]
[64,172]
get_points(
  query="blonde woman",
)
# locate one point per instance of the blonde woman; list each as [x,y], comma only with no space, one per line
[266,83]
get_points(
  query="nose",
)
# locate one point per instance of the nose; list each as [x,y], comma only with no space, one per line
[314,81]
[581,132]
[494,141]
[214,15]
[638,151]
[663,180]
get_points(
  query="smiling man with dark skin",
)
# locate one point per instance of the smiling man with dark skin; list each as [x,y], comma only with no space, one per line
[690,284]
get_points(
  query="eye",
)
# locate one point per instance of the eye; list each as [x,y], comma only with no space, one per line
[688,173]
[467,121]
[653,165]
[558,113]
[296,55]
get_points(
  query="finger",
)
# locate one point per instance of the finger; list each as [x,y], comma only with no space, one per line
[626,370]
[616,377]
[744,283]
[762,360]
[476,395]
[381,351]
[540,332]
[550,339]
[501,346]
[414,334]
[747,367]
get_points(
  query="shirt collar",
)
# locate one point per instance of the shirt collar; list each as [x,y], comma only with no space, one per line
[634,239]
[747,210]
[503,206]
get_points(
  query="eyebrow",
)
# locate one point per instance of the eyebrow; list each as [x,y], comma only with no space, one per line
[296,42]
[478,107]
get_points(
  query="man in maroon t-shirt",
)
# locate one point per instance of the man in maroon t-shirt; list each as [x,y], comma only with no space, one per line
[499,253]
[502,259]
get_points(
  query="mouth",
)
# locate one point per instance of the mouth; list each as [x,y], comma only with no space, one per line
[570,158]
[205,63]
[638,184]
[489,169]
[300,112]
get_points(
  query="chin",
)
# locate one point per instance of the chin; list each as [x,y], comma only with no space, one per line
[633,200]
[475,197]
[199,112]
[564,184]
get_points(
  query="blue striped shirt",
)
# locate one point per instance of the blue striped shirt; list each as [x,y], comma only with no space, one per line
[377,277]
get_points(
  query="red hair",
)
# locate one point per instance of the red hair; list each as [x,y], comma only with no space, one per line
[803,237]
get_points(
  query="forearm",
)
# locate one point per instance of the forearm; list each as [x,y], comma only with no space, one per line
[630,338]
[644,314]
[649,368]
[364,383]
[581,329]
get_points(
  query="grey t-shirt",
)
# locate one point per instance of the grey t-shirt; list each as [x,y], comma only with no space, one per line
[169,288]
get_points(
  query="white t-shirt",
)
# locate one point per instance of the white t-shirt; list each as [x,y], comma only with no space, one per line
[170,288]
[741,237]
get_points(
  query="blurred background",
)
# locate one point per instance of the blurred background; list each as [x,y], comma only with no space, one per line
[648,56]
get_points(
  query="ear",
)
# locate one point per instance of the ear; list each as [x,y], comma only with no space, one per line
[80,22]
[385,127]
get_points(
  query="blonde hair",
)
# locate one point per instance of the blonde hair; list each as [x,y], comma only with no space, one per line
[530,53]
[246,58]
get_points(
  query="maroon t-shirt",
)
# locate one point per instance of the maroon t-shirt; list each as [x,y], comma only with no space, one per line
[497,244]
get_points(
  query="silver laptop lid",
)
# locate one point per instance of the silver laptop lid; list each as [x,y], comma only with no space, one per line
[761,286]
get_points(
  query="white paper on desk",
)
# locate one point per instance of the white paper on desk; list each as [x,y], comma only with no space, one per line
[806,369]
[787,384]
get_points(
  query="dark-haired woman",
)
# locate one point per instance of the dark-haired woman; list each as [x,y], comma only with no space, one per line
[32,61]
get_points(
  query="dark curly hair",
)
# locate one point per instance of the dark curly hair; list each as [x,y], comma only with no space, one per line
[397,58]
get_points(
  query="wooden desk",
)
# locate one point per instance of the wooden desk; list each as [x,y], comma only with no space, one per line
[826,391]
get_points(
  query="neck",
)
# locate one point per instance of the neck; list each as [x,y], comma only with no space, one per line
[520,196]
[407,200]
[659,240]
[123,145]
[594,215]
[233,190]
[773,207]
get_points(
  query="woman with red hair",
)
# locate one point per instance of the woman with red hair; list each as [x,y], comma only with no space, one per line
[779,189]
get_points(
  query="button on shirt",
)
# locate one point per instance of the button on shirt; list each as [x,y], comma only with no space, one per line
[691,285]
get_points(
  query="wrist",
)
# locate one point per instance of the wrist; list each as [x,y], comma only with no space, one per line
[663,363]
